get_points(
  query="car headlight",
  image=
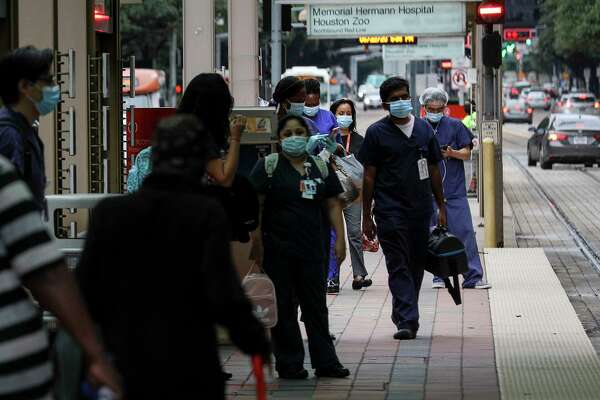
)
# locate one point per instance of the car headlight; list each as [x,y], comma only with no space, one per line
[367,100]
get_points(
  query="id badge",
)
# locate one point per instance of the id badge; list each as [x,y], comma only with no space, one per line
[308,188]
[423,169]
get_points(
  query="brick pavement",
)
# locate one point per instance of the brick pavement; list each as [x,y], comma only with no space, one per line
[452,357]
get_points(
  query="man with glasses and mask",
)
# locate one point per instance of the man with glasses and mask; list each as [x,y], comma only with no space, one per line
[401,155]
[28,91]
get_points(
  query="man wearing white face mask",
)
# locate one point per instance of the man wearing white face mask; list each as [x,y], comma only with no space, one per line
[401,154]
[456,143]
[28,90]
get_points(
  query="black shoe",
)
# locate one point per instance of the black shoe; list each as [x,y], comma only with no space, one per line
[405,334]
[358,284]
[226,375]
[299,374]
[333,287]
[332,336]
[336,371]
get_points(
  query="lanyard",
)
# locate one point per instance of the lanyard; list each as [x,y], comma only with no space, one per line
[348,143]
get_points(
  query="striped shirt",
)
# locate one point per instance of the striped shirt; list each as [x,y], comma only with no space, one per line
[26,248]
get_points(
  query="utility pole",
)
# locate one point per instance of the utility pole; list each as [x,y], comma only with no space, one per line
[275,42]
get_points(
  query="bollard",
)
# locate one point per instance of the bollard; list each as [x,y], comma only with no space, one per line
[489,192]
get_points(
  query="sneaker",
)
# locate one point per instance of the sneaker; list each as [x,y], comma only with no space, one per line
[361,282]
[438,285]
[481,284]
[333,287]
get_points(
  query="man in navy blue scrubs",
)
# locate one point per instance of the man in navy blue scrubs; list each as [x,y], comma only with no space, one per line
[401,155]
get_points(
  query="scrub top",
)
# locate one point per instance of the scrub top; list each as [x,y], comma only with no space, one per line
[399,192]
[452,132]
[324,120]
[290,223]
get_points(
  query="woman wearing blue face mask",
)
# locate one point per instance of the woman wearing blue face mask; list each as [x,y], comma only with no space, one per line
[323,119]
[294,189]
[345,113]
[289,96]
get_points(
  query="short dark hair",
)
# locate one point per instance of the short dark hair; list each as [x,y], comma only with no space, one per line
[338,103]
[23,63]
[300,120]
[181,146]
[286,88]
[390,85]
[312,86]
[207,97]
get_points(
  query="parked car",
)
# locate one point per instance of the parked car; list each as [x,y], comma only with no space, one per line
[565,138]
[371,99]
[372,82]
[577,103]
[516,110]
[539,99]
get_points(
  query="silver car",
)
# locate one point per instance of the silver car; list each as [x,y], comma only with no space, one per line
[517,111]
[539,99]
[577,103]
[372,100]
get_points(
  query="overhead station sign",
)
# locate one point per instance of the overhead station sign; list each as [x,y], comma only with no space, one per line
[451,48]
[426,18]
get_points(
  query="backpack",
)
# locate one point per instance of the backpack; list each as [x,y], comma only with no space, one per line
[142,166]
[272,160]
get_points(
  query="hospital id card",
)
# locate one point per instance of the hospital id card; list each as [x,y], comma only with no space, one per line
[423,169]
[308,187]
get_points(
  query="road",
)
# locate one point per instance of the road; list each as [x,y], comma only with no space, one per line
[556,209]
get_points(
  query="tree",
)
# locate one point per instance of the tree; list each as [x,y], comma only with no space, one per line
[146,31]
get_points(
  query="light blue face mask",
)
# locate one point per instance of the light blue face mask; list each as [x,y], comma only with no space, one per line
[50,98]
[296,109]
[311,111]
[344,121]
[294,146]
[434,117]
[400,108]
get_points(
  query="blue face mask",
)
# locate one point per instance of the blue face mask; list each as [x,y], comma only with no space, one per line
[50,98]
[400,108]
[435,117]
[296,109]
[344,121]
[294,146]
[311,111]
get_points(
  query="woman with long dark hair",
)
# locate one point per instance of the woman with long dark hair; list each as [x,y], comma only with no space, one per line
[207,97]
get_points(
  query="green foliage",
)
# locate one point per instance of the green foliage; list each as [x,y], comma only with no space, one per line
[146,31]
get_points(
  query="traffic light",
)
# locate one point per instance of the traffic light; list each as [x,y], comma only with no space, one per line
[492,50]
[490,12]
[447,64]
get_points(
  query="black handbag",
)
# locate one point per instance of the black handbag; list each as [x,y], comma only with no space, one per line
[446,257]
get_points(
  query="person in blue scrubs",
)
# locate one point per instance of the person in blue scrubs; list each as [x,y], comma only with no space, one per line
[456,141]
[323,119]
[401,155]
[289,96]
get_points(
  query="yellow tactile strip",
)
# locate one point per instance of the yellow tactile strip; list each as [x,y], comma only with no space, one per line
[542,351]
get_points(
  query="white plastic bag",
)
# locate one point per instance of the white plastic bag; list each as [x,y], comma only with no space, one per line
[352,168]
[260,290]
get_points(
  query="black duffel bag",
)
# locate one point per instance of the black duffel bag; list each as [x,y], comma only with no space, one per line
[446,257]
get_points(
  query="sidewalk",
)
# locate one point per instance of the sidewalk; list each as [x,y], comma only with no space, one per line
[520,340]
[452,358]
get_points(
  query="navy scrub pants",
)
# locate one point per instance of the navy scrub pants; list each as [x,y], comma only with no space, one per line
[405,251]
[299,282]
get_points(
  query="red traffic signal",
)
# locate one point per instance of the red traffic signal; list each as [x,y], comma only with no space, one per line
[447,64]
[491,12]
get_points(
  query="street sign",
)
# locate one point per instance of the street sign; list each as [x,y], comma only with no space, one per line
[446,48]
[489,129]
[426,18]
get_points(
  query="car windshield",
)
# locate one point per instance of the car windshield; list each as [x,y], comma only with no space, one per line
[582,99]
[537,95]
[587,124]
[375,80]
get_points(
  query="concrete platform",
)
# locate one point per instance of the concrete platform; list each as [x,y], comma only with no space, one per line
[465,352]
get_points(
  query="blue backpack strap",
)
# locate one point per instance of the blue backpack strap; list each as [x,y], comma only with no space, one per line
[271,162]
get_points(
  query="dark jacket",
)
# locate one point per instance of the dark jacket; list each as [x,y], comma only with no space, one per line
[20,143]
[157,276]
[356,141]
